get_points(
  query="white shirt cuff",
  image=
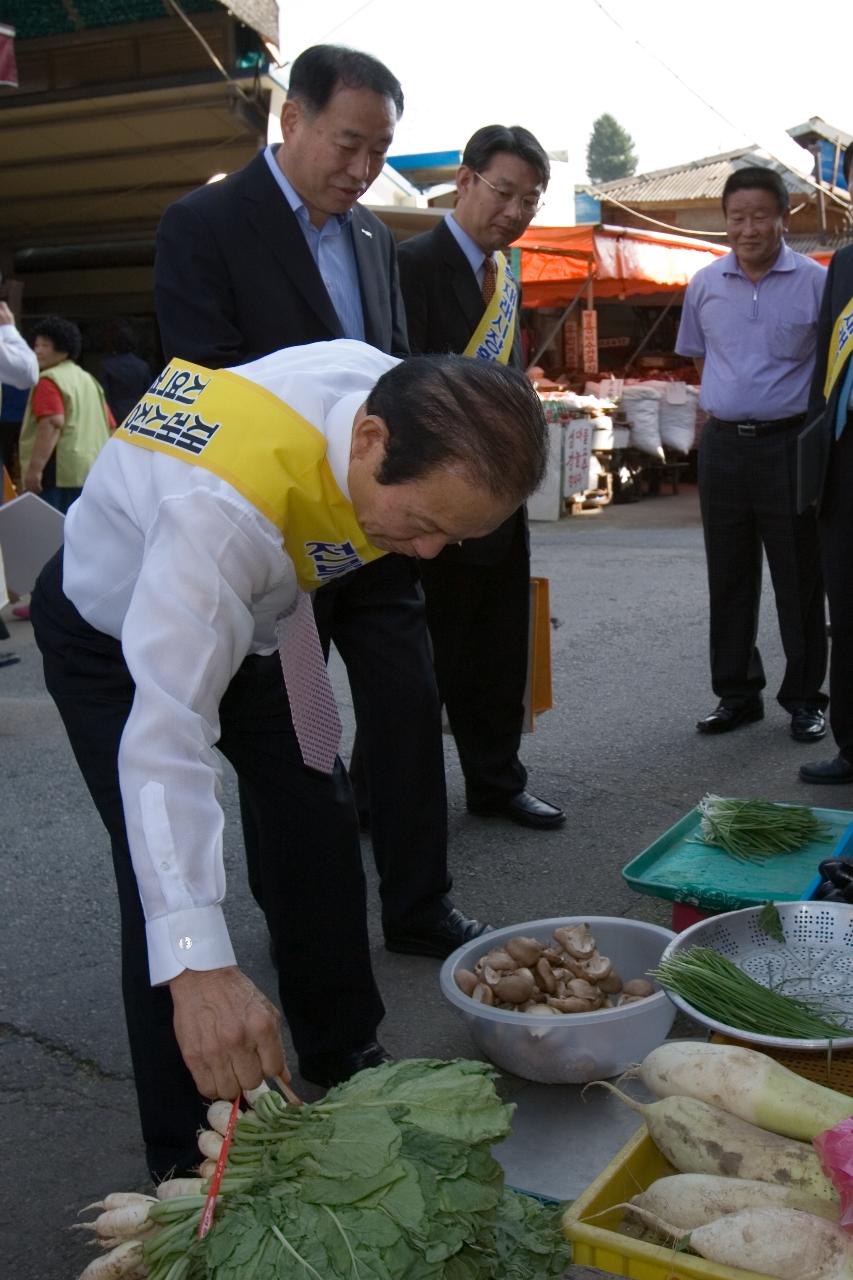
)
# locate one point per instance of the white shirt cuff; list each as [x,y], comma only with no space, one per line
[196,938]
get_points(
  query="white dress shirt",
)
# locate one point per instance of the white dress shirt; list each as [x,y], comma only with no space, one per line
[174,562]
[18,364]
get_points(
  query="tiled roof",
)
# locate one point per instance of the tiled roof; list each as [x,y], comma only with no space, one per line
[702,179]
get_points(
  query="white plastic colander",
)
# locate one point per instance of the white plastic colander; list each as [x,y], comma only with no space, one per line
[814,961]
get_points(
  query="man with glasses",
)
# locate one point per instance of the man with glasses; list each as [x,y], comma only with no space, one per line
[460,296]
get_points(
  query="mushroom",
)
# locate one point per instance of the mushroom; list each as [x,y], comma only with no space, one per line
[571,1004]
[515,988]
[465,981]
[553,957]
[596,967]
[611,984]
[491,976]
[482,994]
[638,987]
[577,940]
[524,951]
[572,967]
[623,1000]
[544,976]
[582,989]
[499,959]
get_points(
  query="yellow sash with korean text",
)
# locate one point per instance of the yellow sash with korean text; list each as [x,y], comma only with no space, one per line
[494,335]
[840,348]
[267,451]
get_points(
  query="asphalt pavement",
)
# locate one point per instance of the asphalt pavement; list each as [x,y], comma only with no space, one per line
[619,752]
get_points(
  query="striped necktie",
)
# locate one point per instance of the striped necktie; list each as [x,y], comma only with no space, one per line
[490,275]
[309,691]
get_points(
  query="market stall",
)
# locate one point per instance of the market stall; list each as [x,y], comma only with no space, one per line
[565,272]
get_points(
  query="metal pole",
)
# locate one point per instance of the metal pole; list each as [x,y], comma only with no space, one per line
[561,320]
[677,297]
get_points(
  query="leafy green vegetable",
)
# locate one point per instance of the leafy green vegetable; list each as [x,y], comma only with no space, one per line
[390,1176]
[717,987]
[753,830]
[770,922]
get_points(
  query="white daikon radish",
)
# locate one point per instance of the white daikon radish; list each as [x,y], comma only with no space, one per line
[123,1263]
[171,1187]
[746,1084]
[120,1200]
[782,1243]
[689,1200]
[210,1144]
[698,1138]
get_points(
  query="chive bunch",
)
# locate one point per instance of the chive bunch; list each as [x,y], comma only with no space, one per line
[715,986]
[753,830]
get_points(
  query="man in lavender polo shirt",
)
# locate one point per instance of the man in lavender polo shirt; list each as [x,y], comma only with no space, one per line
[750,322]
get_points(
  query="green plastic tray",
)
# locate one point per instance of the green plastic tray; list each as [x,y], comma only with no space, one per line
[708,879]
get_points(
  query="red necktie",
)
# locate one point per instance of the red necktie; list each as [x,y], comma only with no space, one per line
[490,275]
[309,690]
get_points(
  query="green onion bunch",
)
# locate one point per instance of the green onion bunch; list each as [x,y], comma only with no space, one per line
[753,830]
[715,986]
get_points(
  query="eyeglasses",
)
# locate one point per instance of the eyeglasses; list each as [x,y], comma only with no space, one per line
[529,204]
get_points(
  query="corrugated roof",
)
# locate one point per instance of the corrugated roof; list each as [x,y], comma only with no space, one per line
[810,241]
[814,128]
[701,179]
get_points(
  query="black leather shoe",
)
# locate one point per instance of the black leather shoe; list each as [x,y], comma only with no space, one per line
[436,938]
[725,718]
[327,1069]
[525,809]
[827,771]
[807,725]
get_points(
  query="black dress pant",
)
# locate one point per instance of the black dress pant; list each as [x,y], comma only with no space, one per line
[478,618]
[376,619]
[747,491]
[307,845]
[836,535]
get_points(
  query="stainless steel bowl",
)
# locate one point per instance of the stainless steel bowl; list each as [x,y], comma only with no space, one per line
[816,959]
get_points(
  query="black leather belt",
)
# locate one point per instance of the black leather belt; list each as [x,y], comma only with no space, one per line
[754,427]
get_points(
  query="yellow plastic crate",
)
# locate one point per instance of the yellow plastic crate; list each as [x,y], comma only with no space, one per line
[596,1242]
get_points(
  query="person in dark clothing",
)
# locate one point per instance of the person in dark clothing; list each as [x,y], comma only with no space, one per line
[124,375]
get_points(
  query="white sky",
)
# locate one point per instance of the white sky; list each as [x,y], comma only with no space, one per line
[554,65]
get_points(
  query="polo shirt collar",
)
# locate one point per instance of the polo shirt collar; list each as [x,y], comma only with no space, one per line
[785,261]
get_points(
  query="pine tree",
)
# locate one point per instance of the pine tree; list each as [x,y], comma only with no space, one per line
[610,151]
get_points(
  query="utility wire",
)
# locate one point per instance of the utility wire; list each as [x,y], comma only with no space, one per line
[178,11]
[343,22]
[685,231]
[817,186]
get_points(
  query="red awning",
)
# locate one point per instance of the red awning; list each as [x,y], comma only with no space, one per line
[625,262]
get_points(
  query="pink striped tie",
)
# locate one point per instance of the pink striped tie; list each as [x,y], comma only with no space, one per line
[309,690]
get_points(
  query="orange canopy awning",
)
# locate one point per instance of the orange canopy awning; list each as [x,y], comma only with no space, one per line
[625,262]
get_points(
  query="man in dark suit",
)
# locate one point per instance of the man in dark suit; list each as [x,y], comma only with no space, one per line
[832,394]
[280,254]
[477,593]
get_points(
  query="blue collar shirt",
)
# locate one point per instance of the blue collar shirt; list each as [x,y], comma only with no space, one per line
[757,338]
[332,249]
[472,251]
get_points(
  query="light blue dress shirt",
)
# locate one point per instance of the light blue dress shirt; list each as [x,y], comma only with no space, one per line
[472,251]
[332,249]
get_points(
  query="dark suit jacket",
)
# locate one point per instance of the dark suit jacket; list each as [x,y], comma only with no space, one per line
[837,293]
[235,279]
[444,305]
